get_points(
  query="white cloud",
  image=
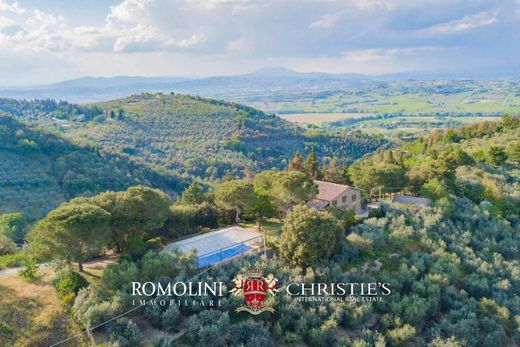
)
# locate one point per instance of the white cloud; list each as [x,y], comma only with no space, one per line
[378,54]
[262,27]
[233,35]
[465,23]
[6,23]
[129,11]
[325,22]
[129,26]
[11,7]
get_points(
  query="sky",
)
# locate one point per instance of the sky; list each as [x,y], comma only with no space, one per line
[45,41]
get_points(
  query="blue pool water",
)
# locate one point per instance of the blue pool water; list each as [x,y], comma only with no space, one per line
[224,254]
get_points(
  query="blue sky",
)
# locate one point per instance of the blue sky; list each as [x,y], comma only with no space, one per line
[45,41]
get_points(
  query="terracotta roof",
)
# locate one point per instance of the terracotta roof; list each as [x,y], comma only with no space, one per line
[328,191]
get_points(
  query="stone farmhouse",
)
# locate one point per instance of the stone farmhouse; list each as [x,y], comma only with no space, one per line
[336,195]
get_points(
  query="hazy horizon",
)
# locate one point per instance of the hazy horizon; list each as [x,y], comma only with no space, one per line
[43,41]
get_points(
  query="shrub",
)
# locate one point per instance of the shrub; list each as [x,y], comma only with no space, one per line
[153,315]
[92,308]
[346,217]
[171,318]
[248,334]
[158,265]
[361,242]
[135,247]
[119,276]
[208,328]
[68,300]
[7,246]
[10,260]
[125,333]
[29,270]
[26,146]
[496,155]
[84,300]
[186,219]
[100,313]
[68,282]
[435,189]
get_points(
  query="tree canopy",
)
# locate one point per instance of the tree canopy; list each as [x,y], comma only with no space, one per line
[237,195]
[309,236]
[136,212]
[72,232]
[12,225]
[286,187]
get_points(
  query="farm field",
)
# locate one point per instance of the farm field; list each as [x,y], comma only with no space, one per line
[406,97]
[389,125]
[405,107]
[319,118]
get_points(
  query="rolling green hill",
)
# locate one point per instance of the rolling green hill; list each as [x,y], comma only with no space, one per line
[199,137]
[63,150]
[39,170]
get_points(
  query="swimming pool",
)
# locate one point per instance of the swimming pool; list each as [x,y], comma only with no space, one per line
[215,257]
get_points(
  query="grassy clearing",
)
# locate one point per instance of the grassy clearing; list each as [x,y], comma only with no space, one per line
[31,315]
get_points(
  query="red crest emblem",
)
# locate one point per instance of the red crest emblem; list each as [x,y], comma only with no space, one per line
[255,288]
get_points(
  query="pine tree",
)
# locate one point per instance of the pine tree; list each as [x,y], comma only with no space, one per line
[193,195]
[335,172]
[312,166]
[296,163]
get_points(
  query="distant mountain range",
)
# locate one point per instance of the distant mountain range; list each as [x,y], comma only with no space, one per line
[236,87]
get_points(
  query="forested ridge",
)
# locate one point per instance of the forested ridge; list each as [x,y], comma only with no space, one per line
[194,136]
[208,138]
[46,108]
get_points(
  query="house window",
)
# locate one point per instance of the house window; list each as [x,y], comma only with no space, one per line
[343,199]
[334,202]
[353,197]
